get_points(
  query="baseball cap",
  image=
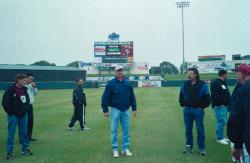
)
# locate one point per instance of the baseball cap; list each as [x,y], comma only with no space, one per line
[118,67]
[243,68]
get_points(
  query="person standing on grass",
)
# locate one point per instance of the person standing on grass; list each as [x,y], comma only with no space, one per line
[79,103]
[221,99]
[16,103]
[238,127]
[32,92]
[194,98]
[119,95]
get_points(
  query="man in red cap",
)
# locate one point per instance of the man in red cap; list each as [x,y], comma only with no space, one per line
[238,127]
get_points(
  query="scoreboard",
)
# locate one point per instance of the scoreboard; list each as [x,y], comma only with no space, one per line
[114,51]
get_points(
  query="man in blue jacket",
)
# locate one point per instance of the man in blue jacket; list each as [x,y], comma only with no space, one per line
[194,97]
[238,127]
[16,103]
[119,95]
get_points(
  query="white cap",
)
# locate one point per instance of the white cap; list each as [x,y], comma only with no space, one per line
[118,67]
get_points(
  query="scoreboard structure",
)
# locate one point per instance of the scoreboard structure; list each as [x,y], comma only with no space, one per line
[114,52]
[109,54]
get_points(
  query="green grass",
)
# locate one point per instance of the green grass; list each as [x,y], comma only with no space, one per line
[157,134]
[204,76]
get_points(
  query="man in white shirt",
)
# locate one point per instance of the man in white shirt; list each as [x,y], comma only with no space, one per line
[32,92]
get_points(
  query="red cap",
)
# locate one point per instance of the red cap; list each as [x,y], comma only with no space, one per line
[243,68]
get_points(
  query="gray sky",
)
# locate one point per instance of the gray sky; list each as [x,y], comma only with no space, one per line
[61,31]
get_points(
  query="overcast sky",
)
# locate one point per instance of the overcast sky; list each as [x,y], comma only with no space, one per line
[62,31]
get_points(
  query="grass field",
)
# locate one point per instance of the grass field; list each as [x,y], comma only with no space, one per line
[157,134]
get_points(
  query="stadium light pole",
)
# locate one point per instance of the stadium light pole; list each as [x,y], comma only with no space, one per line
[182,5]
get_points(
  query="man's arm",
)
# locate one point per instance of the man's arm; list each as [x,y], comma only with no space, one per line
[6,102]
[106,98]
[205,96]
[181,95]
[133,99]
[235,125]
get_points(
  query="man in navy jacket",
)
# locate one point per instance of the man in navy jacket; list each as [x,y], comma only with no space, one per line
[79,102]
[238,127]
[119,95]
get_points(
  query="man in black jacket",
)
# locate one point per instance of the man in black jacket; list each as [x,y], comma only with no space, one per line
[16,104]
[221,99]
[194,97]
[79,102]
[238,127]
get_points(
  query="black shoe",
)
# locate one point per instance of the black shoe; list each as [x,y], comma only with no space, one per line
[31,139]
[188,149]
[203,152]
[27,152]
[82,128]
[9,156]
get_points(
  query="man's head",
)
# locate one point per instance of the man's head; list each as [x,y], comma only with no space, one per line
[79,82]
[222,75]
[30,78]
[193,74]
[20,80]
[119,72]
[242,73]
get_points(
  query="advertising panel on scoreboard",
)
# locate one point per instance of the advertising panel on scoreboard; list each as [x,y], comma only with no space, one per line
[127,50]
[100,50]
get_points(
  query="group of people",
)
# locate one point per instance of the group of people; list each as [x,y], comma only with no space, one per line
[195,97]
[18,102]
[119,95]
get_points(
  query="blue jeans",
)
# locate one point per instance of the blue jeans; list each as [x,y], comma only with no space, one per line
[221,120]
[13,122]
[123,117]
[197,115]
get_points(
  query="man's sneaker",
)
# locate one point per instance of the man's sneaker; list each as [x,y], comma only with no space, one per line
[70,128]
[27,152]
[115,154]
[32,139]
[127,153]
[203,152]
[222,141]
[86,128]
[9,156]
[188,149]
[226,139]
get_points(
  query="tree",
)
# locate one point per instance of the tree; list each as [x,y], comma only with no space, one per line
[73,64]
[168,68]
[43,63]
[155,70]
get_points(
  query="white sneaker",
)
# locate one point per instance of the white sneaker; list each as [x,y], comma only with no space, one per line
[86,128]
[115,154]
[222,141]
[226,139]
[70,128]
[127,153]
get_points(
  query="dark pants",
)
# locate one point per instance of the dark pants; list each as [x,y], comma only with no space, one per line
[79,115]
[197,115]
[30,118]
[30,121]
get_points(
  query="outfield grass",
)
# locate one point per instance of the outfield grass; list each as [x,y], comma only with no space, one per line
[204,76]
[157,133]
